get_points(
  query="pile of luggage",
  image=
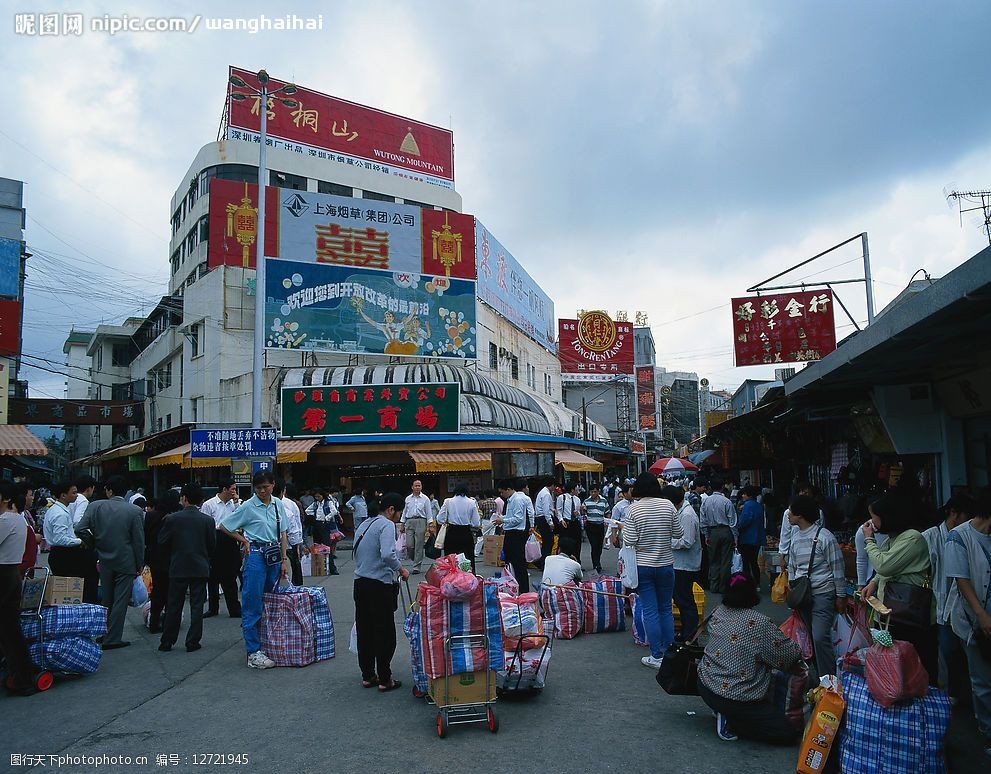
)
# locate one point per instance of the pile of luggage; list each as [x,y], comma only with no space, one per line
[63,638]
[297,627]
[593,606]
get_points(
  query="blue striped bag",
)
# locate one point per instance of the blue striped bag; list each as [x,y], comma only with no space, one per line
[411,628]
[604,613]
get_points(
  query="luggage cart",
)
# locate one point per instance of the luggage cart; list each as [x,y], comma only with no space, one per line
[523,682]
[44,678]
[483,711]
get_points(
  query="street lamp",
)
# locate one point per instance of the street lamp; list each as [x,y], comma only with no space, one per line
[585,404]
[258,356]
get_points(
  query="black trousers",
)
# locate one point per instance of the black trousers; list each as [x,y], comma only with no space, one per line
[546,540]
[460,540]
[596,537]
[514,545]
[173,610]
[297,569]
[757,720]
[159,594]
[750,567]
[684,598]
[225,568]
[76,562]
[375,605]
[720,558]
[12,643]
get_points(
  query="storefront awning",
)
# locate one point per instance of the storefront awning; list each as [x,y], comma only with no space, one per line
[576,462]
[439,462]
[287,450]
[171,457]
[295,450]
[17,439]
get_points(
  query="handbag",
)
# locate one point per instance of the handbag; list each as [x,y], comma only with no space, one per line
[441,535]
[272,552]
[678,675]
[800,589]
[910,605]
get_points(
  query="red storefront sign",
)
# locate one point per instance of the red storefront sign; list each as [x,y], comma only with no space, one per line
[787,328]
[10,327]
[234,223]
[646,399]
[595,346]
[341,127]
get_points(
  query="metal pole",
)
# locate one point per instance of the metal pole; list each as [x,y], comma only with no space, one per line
[259,349]
[584,418]
[868,280]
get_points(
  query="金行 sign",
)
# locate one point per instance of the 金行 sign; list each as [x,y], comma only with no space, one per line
[646,399]
[235,442]
[323,127]
[370,409]
[52,411]
[595,347]
[788,328]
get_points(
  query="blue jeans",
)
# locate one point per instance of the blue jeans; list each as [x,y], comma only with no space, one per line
[256,579]
[655,589]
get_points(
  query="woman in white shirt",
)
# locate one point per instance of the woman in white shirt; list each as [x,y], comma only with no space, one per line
[460,513]
[687,560]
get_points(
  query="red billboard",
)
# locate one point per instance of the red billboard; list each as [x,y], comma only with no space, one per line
[594,347]
[10,327]
[448,244]
[787,328]
[327,127]
[646,399]
[234,223]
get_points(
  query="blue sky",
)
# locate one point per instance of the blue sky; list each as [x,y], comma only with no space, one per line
[654,156]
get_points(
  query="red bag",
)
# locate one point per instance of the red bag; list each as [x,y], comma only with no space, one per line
[459,585]
[896,673]
[446,564]
[520,617]
[796,630]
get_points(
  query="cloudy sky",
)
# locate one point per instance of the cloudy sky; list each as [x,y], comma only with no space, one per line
[656,156]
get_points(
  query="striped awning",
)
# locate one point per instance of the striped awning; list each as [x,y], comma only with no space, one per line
[287,450]
[575,462]
[17,439]
[171,457]
[295,449]
[439,462]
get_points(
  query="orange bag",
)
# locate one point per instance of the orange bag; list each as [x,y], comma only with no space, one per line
[820,733]
[896,673]
[779,591]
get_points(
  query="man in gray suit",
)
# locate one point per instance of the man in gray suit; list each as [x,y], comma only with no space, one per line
[119,535]
[191,537]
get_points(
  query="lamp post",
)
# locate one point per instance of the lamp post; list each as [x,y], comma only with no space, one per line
[258,355]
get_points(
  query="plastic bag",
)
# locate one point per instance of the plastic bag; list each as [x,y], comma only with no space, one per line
[896,673]
[519,618]
[796,630]
[401,546]
[531,552]
[479,547]
[626,568]
[506,583]
[139,594]
[737,565]
[850,631]
[436,574]
[353,642]
[146,577]
[779,591]
[459,585]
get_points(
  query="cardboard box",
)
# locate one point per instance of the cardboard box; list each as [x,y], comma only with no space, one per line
[59,591]
[318,565]
[469,688]
[491,549]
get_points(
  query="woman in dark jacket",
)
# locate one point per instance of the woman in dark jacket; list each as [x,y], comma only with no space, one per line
[157,557]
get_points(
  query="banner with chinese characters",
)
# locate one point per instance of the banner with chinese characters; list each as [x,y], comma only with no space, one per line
[370,409]
[787,328]
[646,399]
[595,347]
[506,287]
[233,223]
[52,411]
[325,127]
[320,307]
[323,228]
[241,442]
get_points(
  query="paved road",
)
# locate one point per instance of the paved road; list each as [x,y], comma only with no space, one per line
[601,711]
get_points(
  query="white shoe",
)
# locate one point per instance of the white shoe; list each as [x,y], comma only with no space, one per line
[258,660]
[650,661]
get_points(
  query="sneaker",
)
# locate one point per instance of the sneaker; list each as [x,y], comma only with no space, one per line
[650,661]
[258,660]
[722,729]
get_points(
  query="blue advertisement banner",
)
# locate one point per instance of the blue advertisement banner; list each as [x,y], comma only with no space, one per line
[236,442]
[327,308]
[10,268]
[505,286]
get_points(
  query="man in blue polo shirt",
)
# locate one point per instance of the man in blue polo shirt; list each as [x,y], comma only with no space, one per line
[263,524]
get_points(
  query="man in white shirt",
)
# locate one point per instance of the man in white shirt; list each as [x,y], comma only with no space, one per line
[294,531]
[562,568]
[544,514]
[619,513]
[569,516]
[68,556]
[84,488]
[225,564]
[417,512]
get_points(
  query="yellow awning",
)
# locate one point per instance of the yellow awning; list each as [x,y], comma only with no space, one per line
[170,457]
[295,449]
[575,462]
[18,440]
[287,450]
[439,462]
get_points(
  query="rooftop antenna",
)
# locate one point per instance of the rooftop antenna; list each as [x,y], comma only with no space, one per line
[981,201]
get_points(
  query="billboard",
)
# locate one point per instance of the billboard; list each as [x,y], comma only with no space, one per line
[370,409]
[234,223]
[10,268]
[505,286]
[323,228]
[594,347]
[787,328]
[325,127]
[235,442]
[321,307]
[55,411]
[10,327]
[646,399]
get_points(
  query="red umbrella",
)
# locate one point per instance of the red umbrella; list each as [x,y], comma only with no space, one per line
[671,465]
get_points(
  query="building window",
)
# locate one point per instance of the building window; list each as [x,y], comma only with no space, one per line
[195,411]
[422,205]
[531,376]
[242,173]
[176,222]
[168,421]
[191,241]
[99,358]
[515,367]
[160,379]
[120,355]
[547,384]
[287,180]
[379,197]
[204,269]
[175,262]
[334,188]
[194,341]
[159,424]
[493,357]
[204,227]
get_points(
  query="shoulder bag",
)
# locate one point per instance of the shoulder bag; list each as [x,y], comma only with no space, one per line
[678,675]
[910,605]
[800,589]
[272,553]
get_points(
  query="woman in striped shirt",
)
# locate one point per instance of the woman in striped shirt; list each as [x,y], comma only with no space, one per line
[650,525]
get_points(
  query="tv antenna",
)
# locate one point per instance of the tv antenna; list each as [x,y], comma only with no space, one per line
[981,201]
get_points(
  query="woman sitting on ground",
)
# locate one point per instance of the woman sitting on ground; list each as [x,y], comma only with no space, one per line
[734,676]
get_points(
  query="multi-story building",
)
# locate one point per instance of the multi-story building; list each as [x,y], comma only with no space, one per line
[679,395]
